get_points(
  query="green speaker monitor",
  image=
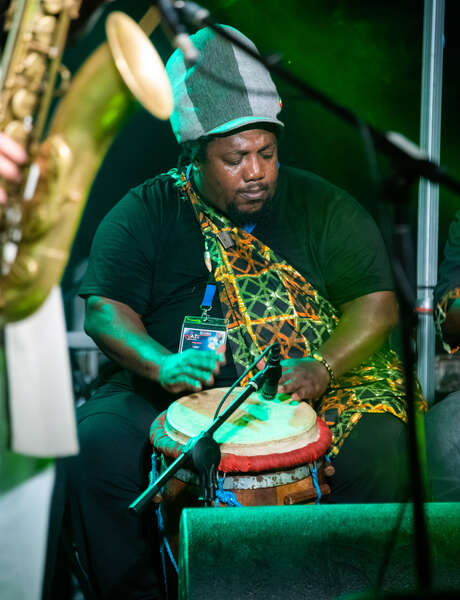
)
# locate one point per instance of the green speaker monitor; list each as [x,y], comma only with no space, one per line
[310,552]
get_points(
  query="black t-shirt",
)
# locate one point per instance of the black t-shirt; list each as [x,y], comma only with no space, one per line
[148,251]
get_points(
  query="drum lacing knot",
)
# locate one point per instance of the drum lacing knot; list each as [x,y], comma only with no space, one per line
[225,496]
[328,469]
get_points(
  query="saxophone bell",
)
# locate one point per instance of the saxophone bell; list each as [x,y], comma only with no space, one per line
[138,62]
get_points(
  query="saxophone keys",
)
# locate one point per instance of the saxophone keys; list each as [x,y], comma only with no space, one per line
[65,78]
[34,70]
[17,130]
[23,103]
[10,251]
[44,29]
[23,270]
[53,7]
[32,181]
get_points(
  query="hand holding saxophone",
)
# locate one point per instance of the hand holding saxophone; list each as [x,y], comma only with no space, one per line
[11,156]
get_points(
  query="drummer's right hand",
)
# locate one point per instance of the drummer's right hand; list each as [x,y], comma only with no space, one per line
[189,370]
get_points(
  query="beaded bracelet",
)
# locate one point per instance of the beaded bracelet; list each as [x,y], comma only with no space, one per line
[320,358]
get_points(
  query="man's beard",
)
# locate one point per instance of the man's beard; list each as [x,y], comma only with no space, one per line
[258,217]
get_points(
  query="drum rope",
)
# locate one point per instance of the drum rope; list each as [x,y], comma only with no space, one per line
[314,475]
[163,562]
[225,496]
[164,543]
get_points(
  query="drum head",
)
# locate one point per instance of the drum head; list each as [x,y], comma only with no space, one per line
[257,427]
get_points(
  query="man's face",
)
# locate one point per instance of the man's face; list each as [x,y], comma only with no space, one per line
[239,174]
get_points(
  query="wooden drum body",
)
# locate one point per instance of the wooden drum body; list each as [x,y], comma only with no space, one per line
[272,451]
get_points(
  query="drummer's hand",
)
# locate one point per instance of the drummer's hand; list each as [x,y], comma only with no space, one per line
[11,155]
[303,378]
[189,370]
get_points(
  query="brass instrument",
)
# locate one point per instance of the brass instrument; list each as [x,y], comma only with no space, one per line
[39,221]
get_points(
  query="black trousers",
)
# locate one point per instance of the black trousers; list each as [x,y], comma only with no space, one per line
[372,465]
[442,424]
[120,551]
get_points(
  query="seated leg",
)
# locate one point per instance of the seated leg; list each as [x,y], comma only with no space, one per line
[119,551]
[442,426]
[372,464]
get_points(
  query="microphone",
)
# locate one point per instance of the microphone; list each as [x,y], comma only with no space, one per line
[272,374]
[177,30]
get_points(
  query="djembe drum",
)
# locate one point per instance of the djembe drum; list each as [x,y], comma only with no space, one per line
[272,452]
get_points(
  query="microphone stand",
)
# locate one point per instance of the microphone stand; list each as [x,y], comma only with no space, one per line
[411,163]
[202,451]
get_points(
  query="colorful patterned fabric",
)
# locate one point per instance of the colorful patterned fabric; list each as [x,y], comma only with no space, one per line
[441,314]
[264,300]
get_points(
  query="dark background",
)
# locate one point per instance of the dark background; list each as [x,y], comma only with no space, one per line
[364,55]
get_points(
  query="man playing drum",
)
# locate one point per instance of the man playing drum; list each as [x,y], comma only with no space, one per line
[294,260]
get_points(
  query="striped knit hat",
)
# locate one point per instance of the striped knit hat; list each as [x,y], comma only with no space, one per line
[224,90]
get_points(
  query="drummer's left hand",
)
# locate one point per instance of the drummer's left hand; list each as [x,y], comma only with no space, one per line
[303,378]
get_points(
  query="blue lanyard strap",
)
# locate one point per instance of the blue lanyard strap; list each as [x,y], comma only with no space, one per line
[209,293]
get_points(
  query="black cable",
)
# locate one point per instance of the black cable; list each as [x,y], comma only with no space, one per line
[390,546]
[399,251]
[407,298]
[376,186]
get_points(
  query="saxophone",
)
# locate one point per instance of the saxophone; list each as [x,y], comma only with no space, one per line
[40,218]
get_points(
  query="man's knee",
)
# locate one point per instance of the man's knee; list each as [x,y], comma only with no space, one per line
[114,456]
[443,448]
[372,464]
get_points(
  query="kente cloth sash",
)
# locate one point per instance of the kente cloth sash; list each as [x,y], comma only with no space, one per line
[264,300]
